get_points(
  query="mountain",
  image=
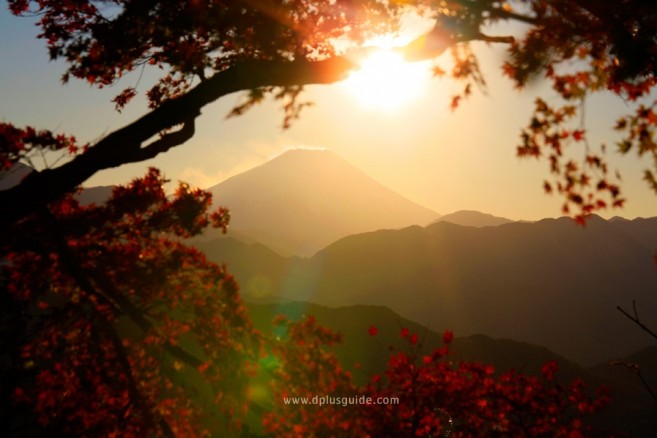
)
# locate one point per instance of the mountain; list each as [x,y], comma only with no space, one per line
[14,175]
[550,283]
[89,195]
[240,257]
[357,347]
[95,195]
[302,200]
[642,230]
[471,218]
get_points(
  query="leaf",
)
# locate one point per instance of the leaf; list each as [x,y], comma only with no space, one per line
[122,99]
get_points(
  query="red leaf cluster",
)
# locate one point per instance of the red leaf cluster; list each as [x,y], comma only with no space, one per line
[102,42]
[22,143]
[435,395]
[117,312]
[585,186]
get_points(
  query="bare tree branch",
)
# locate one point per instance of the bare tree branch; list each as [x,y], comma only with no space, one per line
[636,320]
[636,369]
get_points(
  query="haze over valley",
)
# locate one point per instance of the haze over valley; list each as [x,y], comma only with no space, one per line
[312,234]
[550,282]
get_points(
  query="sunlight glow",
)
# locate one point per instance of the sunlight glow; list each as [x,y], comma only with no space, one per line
[387,82]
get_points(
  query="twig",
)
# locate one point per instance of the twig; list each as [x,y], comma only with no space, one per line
[635,369]
[636,319]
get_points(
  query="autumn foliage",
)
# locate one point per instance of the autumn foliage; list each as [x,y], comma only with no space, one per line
[436,395]
[582,48]
[189,39]
[122,323]
[113,327]
[119,329]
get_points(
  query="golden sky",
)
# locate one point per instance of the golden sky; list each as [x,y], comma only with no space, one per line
[409,141]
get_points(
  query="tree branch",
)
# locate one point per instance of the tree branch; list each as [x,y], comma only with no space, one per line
[108,294]
[496,39]
[126,306]
[125,145]
[636,320]
[510,15]
[636,369]
[166,142]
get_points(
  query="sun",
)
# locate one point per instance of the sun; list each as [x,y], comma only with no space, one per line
[386,81]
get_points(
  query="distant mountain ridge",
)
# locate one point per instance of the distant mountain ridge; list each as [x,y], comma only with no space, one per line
[88,195]
[550,283]
[471,218]
[95,195]
[302,200]
[14,176]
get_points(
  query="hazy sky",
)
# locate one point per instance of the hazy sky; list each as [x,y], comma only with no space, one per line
[443,160]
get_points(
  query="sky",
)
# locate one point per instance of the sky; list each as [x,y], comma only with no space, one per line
[444,160]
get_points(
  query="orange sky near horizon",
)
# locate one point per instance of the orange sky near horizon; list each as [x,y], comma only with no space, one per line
[444,160]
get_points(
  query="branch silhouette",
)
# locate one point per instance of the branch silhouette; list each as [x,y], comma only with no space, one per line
[126,145]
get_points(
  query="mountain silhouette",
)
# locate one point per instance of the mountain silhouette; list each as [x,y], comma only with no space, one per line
[551,283]
[95,195]
[14,176]
[89,195]
[303,200]
[471,218]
